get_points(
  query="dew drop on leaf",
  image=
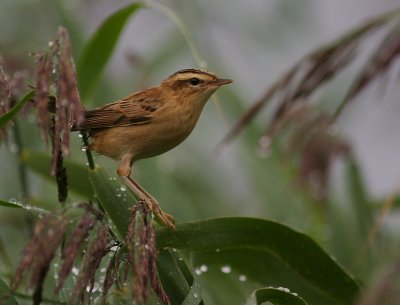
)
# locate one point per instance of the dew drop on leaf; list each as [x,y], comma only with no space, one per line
[226,269]
[75,271]
[284,289]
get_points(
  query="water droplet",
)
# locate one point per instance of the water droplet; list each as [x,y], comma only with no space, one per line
[75,271]
[203,268]
[103,270]
[114,248]
[226,269]
[84,148]
[195,295]
[197,271]
[80,135]
[242,278]
[284,289]
[217,250]
[122,188]
[173,249]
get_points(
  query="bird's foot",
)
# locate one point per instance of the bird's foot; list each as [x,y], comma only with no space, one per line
[164,218]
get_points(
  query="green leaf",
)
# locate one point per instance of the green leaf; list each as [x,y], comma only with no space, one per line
[98,50]
[31,209]
[5,118]
[78,178]
[6,297]
[193,297]
[359,197]
[264,240]
[114,197]
[9,204]
[179,284]
[276,296]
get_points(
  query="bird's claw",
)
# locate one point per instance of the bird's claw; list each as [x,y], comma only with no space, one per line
[165,218]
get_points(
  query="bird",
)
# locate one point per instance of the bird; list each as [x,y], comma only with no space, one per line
[149,123]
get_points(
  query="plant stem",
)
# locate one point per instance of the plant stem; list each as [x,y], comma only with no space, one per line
[89,156]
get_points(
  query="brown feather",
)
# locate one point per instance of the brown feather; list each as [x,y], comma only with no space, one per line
[135,109]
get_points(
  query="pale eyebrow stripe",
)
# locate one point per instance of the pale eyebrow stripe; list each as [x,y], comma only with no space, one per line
[190,75]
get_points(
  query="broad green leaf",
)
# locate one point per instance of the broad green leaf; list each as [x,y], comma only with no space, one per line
[99,49]
[6,297]
[276,296]
[5,118]
[299,253]
[31,209]
[179,284]
[114,197]
[78,179]
[259,268]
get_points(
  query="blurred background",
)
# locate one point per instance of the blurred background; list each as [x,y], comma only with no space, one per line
[252,42]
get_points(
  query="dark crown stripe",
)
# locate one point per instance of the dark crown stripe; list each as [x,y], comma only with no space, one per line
[191,71]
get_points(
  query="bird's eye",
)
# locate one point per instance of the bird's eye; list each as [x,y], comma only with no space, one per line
[194,81]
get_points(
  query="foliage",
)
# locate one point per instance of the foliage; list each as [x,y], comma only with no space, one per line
[222,260]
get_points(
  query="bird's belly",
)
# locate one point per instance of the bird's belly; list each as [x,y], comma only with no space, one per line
[158,141]
[140,141]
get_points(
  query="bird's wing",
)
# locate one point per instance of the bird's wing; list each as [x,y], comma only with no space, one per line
[132,110]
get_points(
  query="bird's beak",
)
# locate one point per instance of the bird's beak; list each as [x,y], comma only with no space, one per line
[221,81]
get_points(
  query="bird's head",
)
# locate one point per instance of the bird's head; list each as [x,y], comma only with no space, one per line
[193,85]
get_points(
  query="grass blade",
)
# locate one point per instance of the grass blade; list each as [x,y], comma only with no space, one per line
[180,285]
[100,47]
[5,118]
[276,296]
[31,209]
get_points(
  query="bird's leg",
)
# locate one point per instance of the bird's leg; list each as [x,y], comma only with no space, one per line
[124,171]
